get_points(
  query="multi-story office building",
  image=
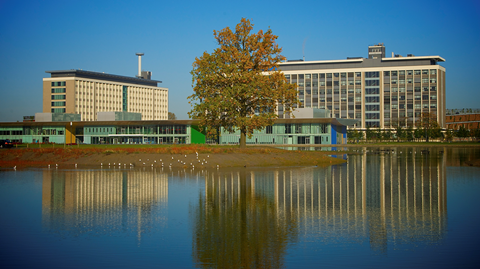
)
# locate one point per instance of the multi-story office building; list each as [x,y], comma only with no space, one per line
[381,92]
[86,93]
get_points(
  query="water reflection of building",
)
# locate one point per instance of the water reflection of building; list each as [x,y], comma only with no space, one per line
[102,200]
[388,197]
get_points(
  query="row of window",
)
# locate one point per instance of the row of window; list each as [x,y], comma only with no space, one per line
[58,103]
[368,91]
[328,91]
[159,129]
[388,116]
[330,83]
[42,131]
[322,75]
[58,97]
[59,90]
[58,83]
[8,132]
[410,81]
[417,89]
[374,74]
[409,106]
[297,128]
[417,97]
[410,72]
[58,110]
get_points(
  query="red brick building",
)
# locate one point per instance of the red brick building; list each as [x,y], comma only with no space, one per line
[469,121]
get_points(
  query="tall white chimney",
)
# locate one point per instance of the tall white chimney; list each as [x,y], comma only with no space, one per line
[139,64]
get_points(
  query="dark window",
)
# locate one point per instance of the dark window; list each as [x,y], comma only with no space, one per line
[269,129]
[298,128]
[288,128]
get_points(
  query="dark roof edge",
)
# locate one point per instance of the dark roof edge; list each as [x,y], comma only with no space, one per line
[104,75]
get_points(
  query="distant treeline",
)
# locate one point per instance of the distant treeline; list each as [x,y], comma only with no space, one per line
[463,111]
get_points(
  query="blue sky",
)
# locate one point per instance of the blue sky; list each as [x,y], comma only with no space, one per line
[103,36]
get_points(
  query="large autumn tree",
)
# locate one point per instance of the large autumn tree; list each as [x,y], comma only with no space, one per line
[239,86]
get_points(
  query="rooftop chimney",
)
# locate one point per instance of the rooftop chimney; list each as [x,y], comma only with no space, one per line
[139,64]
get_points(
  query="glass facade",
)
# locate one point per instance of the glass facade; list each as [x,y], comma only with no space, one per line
[378,98]
[339,92]
[286,133]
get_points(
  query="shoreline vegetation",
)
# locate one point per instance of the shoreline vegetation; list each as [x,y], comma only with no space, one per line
[186,156]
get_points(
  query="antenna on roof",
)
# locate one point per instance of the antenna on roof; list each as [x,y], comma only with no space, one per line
[303,48]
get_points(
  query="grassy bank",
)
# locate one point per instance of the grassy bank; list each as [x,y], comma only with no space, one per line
[156,155]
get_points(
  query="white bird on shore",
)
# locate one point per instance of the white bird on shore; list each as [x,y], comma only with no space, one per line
[143,163]
[48,166]
[172,158]
[152,164]
[208,156]
[101,164]
[108,164]
[75,165]
[155,161]
[185,156]
[139,160]
[160,159]
[15,167]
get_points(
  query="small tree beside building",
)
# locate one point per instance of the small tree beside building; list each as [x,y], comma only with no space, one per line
[171,116]
[429,125]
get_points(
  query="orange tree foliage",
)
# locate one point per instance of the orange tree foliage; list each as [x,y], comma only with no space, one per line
[238,86]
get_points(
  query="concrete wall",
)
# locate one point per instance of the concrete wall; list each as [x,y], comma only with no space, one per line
[43,117]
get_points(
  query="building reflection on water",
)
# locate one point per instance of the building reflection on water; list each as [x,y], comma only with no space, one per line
[82,201]
[249,217]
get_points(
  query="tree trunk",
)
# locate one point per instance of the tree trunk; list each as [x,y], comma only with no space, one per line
[243,139]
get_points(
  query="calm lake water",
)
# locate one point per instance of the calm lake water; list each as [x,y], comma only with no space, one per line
[401,209]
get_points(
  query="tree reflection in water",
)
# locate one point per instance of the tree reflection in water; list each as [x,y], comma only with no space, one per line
[236,226]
